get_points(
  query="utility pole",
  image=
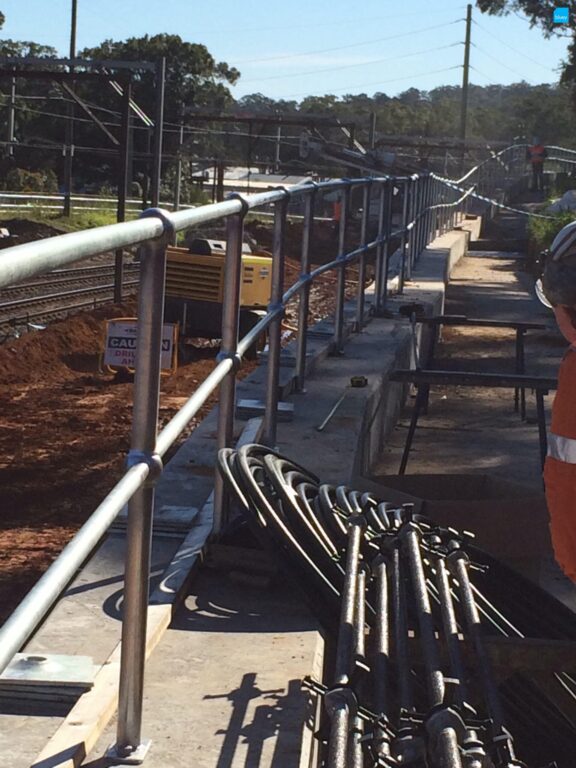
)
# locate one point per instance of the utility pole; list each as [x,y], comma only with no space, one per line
[372,131]
[465,77]
[160,80]
[277,152]
[11,119]
[69,140]
[178,182]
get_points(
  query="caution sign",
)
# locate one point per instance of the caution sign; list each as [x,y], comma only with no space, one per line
[121,340]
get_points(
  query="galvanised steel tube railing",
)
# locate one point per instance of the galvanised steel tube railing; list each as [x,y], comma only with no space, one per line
[304,301]
[141,505]
[20,625]
[341,289]
[359,322]
[381,271]
[275,329]
[228,350]
[154,230]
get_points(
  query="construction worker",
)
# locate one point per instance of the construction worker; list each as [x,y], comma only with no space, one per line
[536,154]
[559,283]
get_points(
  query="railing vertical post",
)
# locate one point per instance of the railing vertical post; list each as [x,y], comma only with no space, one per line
[230,325]
[341,286]
[431,202]
[379,284]
[360,296]
[275,328]
[412,207]
[423,215]
[404,235]
[140,508]
[304,302]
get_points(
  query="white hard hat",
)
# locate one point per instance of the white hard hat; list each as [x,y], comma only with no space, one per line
[564,243]
[559,275]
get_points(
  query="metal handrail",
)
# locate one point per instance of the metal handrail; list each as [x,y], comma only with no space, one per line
[422,218]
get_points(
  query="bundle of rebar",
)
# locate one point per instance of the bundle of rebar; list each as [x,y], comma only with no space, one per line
[413,610]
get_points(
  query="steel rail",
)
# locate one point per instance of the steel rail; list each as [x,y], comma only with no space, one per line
[48,297]
[63,278]
[47,315]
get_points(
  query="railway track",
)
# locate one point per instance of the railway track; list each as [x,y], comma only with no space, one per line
[62,293]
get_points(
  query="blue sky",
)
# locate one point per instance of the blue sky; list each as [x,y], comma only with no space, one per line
[312,47]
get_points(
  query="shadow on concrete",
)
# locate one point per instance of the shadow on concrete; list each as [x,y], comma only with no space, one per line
[272,719]
[217,604]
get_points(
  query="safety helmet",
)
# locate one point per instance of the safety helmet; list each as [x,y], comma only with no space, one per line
[559,276]
[564,243]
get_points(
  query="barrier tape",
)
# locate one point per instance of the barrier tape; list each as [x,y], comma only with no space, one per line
[496,203]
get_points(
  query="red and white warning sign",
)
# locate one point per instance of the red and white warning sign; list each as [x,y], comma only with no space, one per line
[121,339]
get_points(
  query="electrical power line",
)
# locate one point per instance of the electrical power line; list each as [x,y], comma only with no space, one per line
[346,47]
[500,63]
[514,50]
[326,23]
[380,82]
[349,66]
[490,81]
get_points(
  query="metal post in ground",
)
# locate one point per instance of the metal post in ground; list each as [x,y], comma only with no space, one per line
[275,328]
[360,296]
[230,326]
[305,292]
[158,132]
[122,187]
[178,182]
[129,745]
[341,287]
[11,119]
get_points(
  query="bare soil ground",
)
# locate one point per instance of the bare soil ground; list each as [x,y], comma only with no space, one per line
[65,426]
[65,433]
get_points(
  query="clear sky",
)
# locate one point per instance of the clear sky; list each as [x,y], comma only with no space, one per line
[312,47]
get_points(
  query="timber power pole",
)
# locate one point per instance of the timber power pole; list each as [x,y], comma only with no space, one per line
[69,141]
[465,78]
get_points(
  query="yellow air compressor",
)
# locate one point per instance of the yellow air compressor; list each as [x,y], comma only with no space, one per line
[195,288]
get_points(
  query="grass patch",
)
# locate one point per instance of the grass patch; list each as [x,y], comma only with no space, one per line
[542,232]
[78,221]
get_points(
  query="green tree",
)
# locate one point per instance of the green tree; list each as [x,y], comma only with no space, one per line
[541,14]
[194,79]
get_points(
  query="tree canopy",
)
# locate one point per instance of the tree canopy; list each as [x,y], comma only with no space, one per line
[193,78]
[540,13]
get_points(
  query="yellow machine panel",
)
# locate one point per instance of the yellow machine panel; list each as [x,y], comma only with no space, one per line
[197,277]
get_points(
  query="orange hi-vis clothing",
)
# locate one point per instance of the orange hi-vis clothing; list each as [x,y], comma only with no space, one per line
[537,154]
[560,466]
